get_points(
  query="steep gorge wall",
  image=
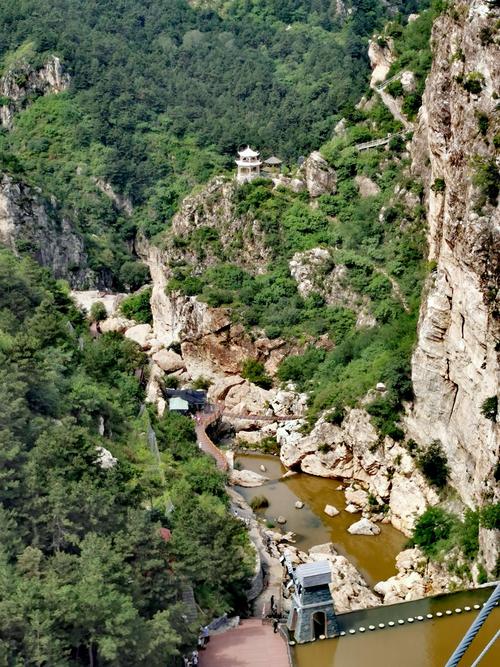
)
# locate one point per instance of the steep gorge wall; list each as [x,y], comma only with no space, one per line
[455,364]
[29,223]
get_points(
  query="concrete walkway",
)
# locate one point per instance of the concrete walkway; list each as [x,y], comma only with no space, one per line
[251,644]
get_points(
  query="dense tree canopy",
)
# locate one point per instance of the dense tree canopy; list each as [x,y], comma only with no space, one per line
[85,577]
[164,91]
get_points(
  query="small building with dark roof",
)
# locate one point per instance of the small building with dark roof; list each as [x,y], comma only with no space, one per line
[186,401]
[273,164]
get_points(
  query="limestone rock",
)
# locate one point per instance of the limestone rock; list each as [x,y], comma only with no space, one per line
[331,510]
[105,458]
[22,82]
[356,497]
[417,577]
[352,509]
[366,187]
[408,81]
[117,324]
[247,478]
[364,527]
[169,361]
[29,220]
[140,334]
[249,437]
[281,519]
[320,178]
[381,59]
[455,366]
[315,272]
[299,504]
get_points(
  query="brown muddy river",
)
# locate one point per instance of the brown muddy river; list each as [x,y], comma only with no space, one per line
[372,556]
[427,643]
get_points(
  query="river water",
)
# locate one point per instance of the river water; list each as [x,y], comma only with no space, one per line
[427,643]
[372,556]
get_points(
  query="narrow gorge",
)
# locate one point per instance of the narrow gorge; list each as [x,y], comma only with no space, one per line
[275,228]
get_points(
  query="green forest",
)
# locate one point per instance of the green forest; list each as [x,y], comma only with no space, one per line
[85,577]
[162,94]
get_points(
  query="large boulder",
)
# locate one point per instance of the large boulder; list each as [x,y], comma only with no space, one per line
[169,361]
[116,324]
[364,527]
[319,177]
[141,334]
[247,478]
[330,510]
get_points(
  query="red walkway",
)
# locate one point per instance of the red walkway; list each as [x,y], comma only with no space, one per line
[203,420]
[251,644]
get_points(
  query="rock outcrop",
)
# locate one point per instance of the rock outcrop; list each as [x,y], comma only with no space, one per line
[211,215]
[388,485]
[419,577]
[319,177]
[455,364]
[30,223]
[315,272]
[22,83]
[380,53]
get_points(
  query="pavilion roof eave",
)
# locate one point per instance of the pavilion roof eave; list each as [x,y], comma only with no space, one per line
[248,152]
[248,163]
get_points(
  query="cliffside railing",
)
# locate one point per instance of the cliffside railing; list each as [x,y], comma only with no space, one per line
[377,142]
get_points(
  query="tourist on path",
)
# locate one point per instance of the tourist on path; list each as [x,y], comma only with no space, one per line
[275,625]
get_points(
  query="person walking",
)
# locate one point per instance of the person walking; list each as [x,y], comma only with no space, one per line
[275,625]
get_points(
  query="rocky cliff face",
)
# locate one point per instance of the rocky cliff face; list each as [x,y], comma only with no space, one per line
[29,223]
[22,82]
[384,482]
[455,364]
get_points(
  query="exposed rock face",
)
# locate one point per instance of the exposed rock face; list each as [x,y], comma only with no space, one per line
[214,208]
[122,203]
[319,177]
[381,59]
[28,222]
[105,458]
[22,81]
[352,451]
[455,365]
[315,272]
[366,187]
[419,577]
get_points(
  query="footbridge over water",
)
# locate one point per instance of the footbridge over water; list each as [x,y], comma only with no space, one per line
[215,411]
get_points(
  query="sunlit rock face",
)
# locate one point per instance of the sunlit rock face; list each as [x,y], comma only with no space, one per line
[455,364]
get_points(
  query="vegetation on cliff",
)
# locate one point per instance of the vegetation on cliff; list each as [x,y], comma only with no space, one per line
[161,96]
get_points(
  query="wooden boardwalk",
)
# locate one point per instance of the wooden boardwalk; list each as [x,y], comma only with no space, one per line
[251,644]
[202,421]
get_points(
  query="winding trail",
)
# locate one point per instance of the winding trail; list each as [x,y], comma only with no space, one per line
[204,419]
